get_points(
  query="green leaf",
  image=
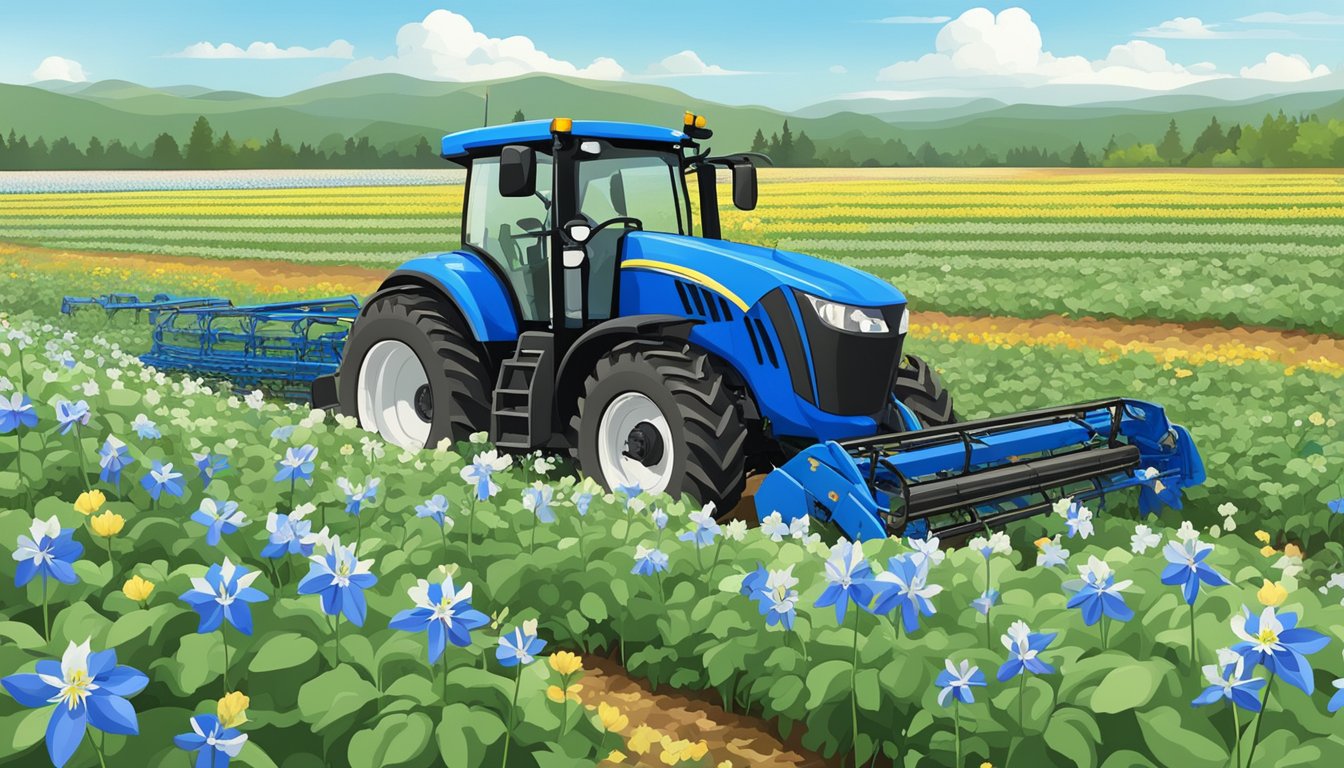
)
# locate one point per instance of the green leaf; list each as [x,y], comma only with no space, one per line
[867,691]
[1174,742]
[828,682]
[465,735]
[1074,734]
[1129,687]
[253,755]
[26,728]
[334,695]
[283,651]
[395,740]
[591,605]
[21,634]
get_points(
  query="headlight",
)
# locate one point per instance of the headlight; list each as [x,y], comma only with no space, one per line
[905,321]
[844,317]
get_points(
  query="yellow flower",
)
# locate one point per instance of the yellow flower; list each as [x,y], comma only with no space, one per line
[571,692]
[1317,418]
[137,589]
[233,709]
[643,738]
[611,717]
[1268,551]
[986,764]
[565,662]
[1262,537]
[616,756]
[1182,373]
[108,524]
[1271,594]
[90,502]
[1292,550]
[681,750]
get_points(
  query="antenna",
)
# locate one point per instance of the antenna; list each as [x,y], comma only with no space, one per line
[486,119]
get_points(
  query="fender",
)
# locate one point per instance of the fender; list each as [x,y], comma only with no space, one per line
[479,293]
[579,360]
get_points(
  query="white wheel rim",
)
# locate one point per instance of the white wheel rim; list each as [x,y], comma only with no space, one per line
[622,415]
[389,378]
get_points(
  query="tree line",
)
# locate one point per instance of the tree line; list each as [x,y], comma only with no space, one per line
[1279,141]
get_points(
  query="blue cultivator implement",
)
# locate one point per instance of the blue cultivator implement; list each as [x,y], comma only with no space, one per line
[113,303]
[279,347]
[590,311]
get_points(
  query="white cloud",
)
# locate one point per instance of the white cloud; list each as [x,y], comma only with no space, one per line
[687,64]
[336,49]
[1310,17]
[59,68]
[1181,27]
[915,20]
[1007,49]
[1284,69]
[445,46]
[838,69]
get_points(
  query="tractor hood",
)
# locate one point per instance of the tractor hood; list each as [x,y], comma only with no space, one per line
[751,271]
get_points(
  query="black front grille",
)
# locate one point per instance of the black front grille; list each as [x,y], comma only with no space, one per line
[854,371]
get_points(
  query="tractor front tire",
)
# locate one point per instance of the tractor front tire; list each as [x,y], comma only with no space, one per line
[921,389]
[661,417]
[411,372]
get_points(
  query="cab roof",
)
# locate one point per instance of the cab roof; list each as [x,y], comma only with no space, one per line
[476,140]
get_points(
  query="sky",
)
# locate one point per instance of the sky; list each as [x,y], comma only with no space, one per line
[784,54]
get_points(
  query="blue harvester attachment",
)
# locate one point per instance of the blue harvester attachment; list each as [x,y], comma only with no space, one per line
[112,303]
[960,478]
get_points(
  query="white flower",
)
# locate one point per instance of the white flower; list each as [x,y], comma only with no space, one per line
[90,388]
[1097,571]
[736,530]
[1215,531]
[1052,554]
[151,397]
[799,529]
[1061,507]
[996,544]
[926,551]
[315,416]
[1291,566]
[1144,539]
[1227,509]
[372,449]
[774,527]
[255,399]
[346,422]
[478,438]
[1187,532]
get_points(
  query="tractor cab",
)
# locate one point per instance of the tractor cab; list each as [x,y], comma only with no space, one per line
[548,204]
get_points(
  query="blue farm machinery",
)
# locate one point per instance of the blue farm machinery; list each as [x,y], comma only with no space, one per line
[594,308]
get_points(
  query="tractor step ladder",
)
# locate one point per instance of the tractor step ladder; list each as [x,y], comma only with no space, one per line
[520,418]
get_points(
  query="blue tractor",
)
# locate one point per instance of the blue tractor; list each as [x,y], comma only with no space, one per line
[589,310]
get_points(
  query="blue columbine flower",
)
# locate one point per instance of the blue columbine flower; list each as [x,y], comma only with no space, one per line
[849,579]
[538,499]
[282,434]
[1229,679]
[16,411]
[340,579]
[214,744]
[1099,594]
[209,465]
[582,498]
[1051,554]
[356,496]
[162,478]
[146,429]
[1275,641]
[706,527]
[218,517]
[1079,520]
[926,551]
[521,646]
[47,551]
[1336,506]
[1024,649]
[223,595]
[659,519]
[1337,701]
[630,492]
[482,468]
[956,682]
[754,582]
[436,509]
[88,689]
[296,465]
[442,611]
[1155,494]
[288,533]
[778,599]
[112,458]
[649,561]
[986,601]
[1187,567]
[69,414]
[905,587]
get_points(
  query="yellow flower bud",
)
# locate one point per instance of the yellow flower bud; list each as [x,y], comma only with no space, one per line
[1262,537]
[232,709]
[565,663]
[90,502]
[611,717]
[1268,551]
[1271,594]
[137,589]
[108,524]
[616,756]
[1292,550]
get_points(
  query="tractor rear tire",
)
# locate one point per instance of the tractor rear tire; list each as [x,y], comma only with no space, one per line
[676,392]
[921,389]
[396,330]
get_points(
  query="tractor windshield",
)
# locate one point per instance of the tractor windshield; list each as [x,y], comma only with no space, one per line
[636,183]
[512,231]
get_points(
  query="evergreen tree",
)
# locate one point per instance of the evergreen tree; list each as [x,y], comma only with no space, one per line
[166,154]
[1211,140]
[758,144]
[773,150]
[518,116]
[201,145]
[95,153]
[786,149]
[424,156]
[1111,146]
[1080,158]
[804,150]
[117,157]
[226,152]
[927,156]
[1170,148]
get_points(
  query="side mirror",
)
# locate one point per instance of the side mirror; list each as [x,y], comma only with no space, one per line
[617,193]
[578,231]
[517,171]
[744,185]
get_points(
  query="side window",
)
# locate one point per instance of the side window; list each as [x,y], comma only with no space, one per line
[499,226]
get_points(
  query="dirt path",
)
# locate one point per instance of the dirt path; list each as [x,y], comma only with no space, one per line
[743,740]
[1174,343]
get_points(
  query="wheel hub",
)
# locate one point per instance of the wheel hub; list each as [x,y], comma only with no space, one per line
[644,444]
[424,403]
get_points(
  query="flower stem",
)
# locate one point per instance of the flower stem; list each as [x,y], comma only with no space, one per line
[471,525]
[853,690]
[444,657]
[46,619]
[513,705]
[956,713]
[443,537]
[564,705]
[224,638]
[338,639]
[1194,661]
[111,564]
[1236,732]
[83,464]
[1104,625]
[989,606]
[291,493]
[582,556]
[1022,700]
[532,547]
[98,750]
[1255,734]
